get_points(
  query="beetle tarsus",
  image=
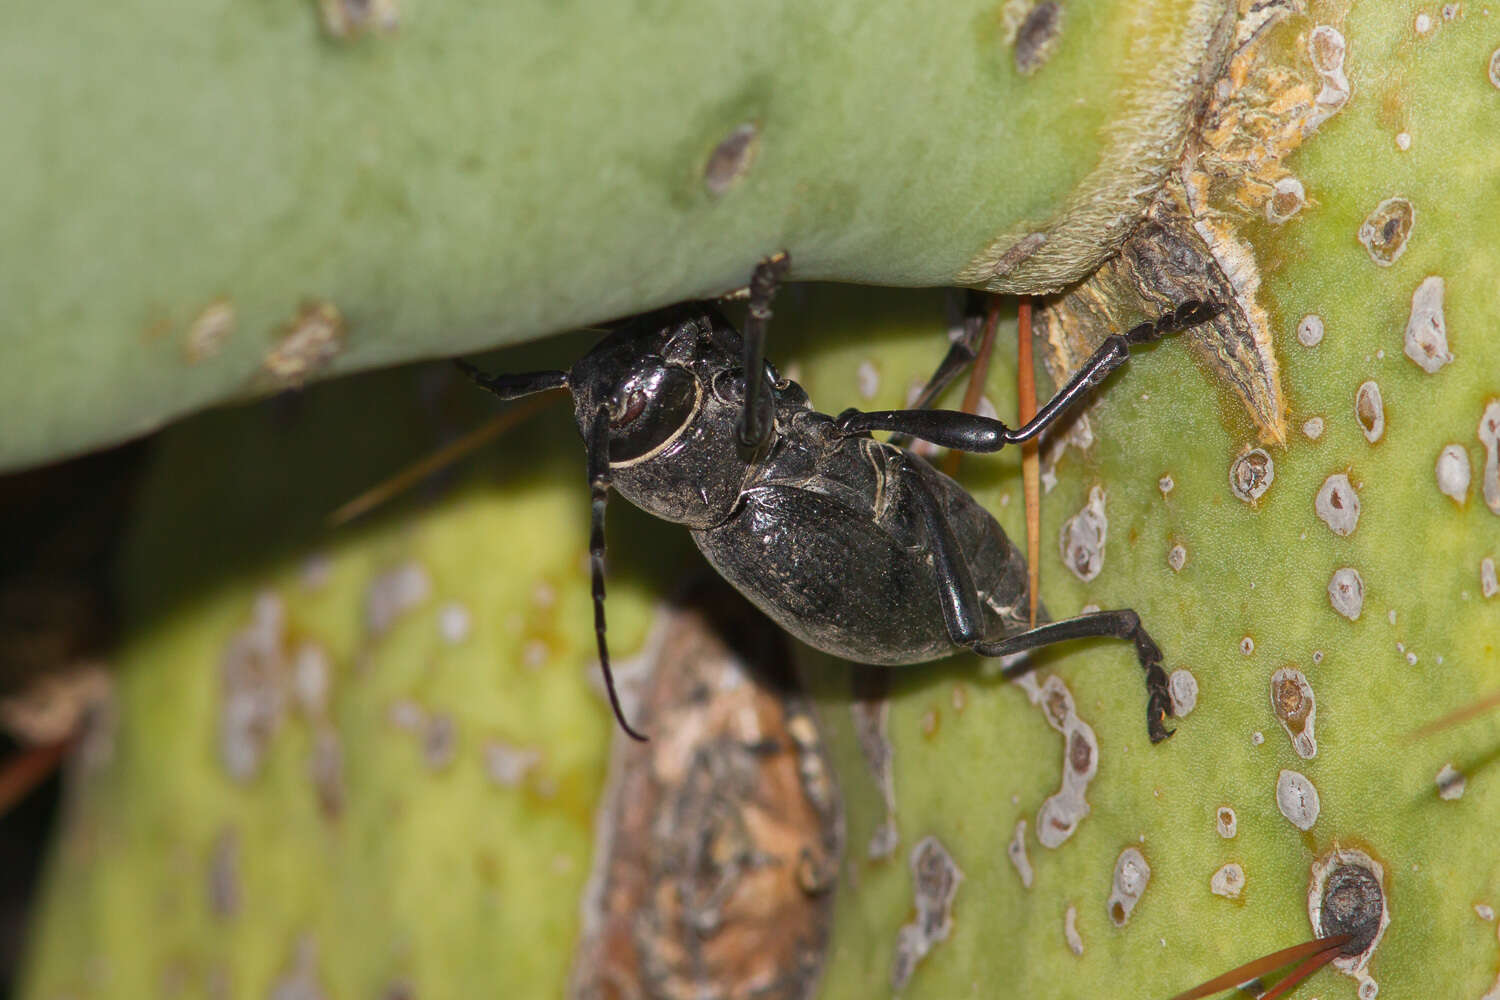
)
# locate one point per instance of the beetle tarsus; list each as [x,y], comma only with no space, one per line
[1120,624]
[1189,313]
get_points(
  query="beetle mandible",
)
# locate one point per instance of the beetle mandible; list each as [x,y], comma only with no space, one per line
[855,546]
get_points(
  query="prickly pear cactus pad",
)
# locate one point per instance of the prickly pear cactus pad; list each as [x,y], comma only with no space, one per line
[367,761]
[203,202]
[337,699]
[1322,599]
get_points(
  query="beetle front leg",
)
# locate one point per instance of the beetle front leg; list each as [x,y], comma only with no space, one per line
[754,426]
[966,330]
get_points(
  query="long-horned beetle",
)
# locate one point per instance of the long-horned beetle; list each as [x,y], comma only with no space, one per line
[855,546]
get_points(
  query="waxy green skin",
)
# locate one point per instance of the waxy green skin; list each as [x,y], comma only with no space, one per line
[493,172]
[477,884]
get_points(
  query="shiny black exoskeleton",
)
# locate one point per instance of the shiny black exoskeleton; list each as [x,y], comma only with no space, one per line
[853,545]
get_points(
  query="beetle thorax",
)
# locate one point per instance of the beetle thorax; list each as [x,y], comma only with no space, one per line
[673,391]
[689,482]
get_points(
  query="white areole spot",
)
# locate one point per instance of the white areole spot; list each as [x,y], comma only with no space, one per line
[392,594]
[1287,199]
[453,623]
[1083,536]
[1297,799]
[1310,330]
[1132,874]
[311,676]
[1346,592]
[1177,558]
[1228,881]
[1426,330]
[1226,822]
[1489,436]
[1296,708]
[1452,472]
[1016,849]
[1251,474]
[1450,783]
[1183,687]
[1070,930]
[1369,410]
[1337,505]
[1326,48]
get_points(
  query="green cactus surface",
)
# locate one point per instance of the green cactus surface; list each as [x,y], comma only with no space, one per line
[182,180]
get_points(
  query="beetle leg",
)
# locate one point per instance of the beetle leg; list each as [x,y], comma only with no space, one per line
[962,612]
[755,422]
[1122,624]
[965,331]
[974,433]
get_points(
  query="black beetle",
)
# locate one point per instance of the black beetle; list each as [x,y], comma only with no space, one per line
[855,546]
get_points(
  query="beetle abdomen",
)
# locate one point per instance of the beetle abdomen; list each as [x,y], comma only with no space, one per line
[831,576]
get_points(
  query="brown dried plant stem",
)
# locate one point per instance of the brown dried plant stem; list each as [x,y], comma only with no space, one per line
[1479,707]
[27,769]
[440,459]
[1031,466]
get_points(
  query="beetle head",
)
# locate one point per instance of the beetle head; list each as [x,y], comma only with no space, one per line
[657,403]
[673,387]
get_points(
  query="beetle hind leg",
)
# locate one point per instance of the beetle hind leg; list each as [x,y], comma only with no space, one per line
[964,616]
[1121,624]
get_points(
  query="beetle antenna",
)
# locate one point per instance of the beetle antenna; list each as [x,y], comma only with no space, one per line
[598,464]
[25,770]
[514,386]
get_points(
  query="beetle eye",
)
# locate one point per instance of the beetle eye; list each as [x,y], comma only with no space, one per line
[649,410]
[633,406]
